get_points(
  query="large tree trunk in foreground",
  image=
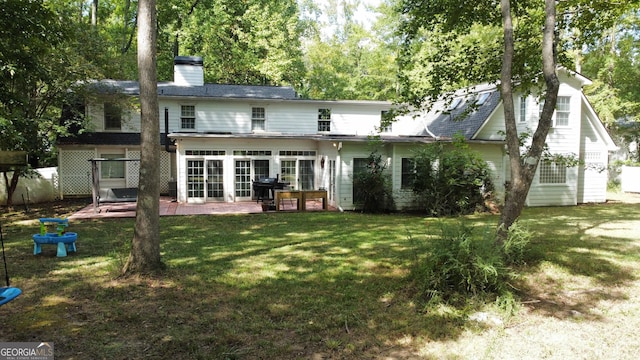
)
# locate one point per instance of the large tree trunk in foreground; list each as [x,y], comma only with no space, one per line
[523,169]
[145,249]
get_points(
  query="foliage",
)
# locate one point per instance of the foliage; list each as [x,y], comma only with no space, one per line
[451,180]
[39,64]
[242,42]
[613,61]
[460,263]
[345,60]
[372,186]
[235,282]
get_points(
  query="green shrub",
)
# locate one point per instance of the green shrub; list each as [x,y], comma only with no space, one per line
[372,186]
[515,249]
[451,180]
[460,264]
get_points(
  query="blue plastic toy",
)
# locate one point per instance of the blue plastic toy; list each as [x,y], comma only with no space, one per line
[66,241]
[7,293]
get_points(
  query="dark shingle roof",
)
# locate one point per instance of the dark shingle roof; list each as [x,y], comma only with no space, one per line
[204,91]
[466,119]
[105,138]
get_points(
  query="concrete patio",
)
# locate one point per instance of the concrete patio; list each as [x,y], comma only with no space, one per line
[170,207]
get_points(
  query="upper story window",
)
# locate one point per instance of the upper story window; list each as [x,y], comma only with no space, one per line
[563,107]
[258,119]
[187,117]
[551,172]
[523,109]
[112,117]
[324,119]
[385,122]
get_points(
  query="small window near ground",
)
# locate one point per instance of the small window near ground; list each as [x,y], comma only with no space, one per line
[187,117]
[112,117]
[408,173]
[112,169]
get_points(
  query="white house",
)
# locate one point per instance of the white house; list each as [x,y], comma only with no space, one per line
[217,139]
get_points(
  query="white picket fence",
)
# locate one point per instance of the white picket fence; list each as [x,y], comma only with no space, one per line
[630,179]
[43,188]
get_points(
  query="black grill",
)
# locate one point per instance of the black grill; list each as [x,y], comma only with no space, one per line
[265,188]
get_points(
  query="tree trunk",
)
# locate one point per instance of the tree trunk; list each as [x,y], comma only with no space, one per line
[11,186]
[145,249]
[94,13]
[523,169]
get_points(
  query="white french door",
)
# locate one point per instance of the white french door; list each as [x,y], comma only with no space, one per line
[205,180]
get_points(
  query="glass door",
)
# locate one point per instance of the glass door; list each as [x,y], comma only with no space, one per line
[260,169]
[307,174]
[195,181]
[215,180]
[243,180]
[332,180]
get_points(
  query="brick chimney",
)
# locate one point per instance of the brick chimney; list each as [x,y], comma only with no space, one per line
[188,71]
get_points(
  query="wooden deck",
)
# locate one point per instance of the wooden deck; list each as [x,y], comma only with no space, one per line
[169,208]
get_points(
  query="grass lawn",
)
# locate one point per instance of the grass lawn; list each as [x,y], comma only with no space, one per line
[321,286]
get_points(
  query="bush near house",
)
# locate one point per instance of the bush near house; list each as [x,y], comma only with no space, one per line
[451,180]
[373,186]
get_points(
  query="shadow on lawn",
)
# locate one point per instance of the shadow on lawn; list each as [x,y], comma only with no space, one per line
[595,244]
[266,286]
[280,285]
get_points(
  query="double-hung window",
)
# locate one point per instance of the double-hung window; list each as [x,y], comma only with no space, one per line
[324,120]
[408,173]
[385,122]
[523,109]
[112,117]
[563,107]
[188,117]
[258,119]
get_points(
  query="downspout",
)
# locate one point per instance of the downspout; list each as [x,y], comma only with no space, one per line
[167,142]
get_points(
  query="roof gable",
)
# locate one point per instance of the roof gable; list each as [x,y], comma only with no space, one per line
[464,116]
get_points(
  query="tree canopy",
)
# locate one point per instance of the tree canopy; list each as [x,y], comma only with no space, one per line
[39,64]
[516,44]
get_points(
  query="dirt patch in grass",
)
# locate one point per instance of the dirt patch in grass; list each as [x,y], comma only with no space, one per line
[59,208]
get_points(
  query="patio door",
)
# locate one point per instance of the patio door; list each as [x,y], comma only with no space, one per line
[306,174]
[195,181]
[243,180]
[215,180]
[300,174]
[205,180]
